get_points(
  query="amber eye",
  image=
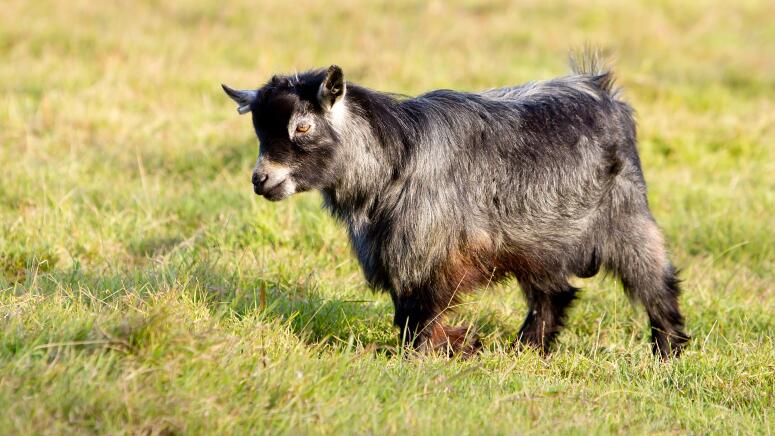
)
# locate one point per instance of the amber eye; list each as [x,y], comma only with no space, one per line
[303,127]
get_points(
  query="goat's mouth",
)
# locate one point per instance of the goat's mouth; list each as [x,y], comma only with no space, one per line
[278,191]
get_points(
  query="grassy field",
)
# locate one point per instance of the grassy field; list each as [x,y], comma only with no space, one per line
[144,288]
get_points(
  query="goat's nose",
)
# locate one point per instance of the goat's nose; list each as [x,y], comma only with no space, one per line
[259,179]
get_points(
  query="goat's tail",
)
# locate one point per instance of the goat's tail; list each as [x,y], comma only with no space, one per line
[590,62]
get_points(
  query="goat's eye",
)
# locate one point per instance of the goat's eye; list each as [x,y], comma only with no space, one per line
[303,127]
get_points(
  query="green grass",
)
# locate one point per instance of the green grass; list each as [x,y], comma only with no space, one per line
[144,288]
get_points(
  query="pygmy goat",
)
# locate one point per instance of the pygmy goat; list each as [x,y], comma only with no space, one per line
[448,191]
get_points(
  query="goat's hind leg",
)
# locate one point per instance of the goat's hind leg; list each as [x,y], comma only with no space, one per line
[658,290]
[641,262]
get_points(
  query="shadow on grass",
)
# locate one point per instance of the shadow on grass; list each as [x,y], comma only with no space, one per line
[361,319]
[296,302]
[307,307]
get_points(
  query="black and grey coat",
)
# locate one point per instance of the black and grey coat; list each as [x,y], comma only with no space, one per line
[448,191]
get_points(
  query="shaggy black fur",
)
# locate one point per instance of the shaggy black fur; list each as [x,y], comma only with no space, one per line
[450,190]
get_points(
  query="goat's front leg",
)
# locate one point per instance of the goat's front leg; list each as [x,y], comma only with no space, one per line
[419,317]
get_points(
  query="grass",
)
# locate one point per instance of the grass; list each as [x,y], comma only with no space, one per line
[145,289]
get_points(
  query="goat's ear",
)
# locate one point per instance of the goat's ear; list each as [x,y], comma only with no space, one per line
[333,87]
[243,97]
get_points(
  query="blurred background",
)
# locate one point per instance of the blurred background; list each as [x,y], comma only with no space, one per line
[127,218]
[97,97]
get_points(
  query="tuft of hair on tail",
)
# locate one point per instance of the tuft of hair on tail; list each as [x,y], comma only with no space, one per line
[590,62]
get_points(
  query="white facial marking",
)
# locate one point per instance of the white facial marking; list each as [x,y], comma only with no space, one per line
[273,169]
[278,175]
[289,187]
